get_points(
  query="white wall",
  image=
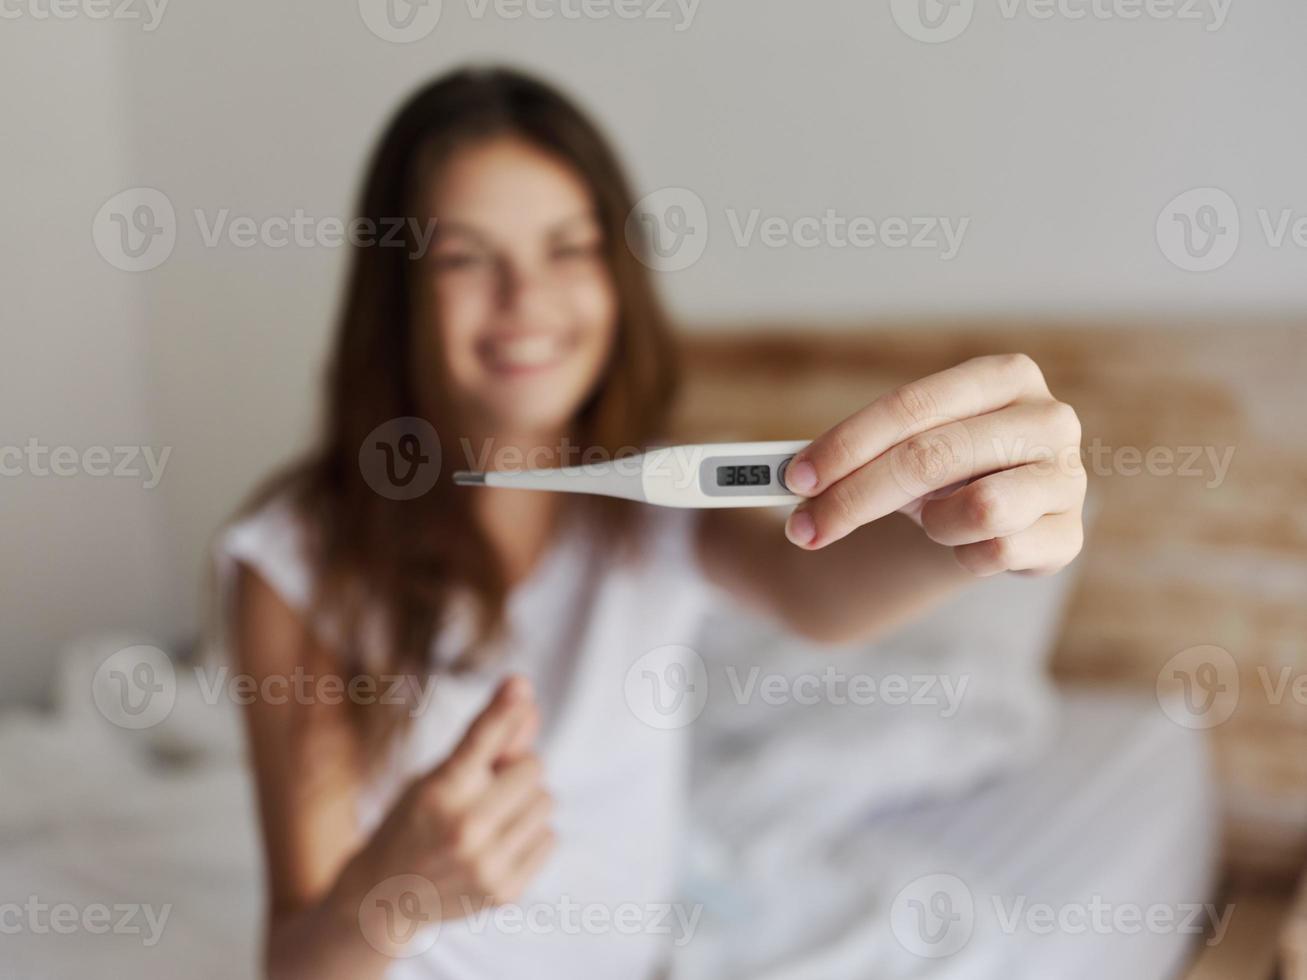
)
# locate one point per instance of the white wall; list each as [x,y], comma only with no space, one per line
[1060,140]
[75,551]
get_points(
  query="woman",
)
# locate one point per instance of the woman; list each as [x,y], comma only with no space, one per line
[396,827]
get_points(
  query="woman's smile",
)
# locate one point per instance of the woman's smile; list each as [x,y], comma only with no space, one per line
[518,354]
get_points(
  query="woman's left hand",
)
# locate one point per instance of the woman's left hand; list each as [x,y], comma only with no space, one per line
[981,456]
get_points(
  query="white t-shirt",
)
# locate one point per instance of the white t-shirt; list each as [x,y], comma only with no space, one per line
[593,636]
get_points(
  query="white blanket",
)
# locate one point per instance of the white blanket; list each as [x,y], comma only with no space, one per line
[801,844]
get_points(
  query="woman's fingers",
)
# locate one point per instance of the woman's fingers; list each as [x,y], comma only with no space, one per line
[976,387]
[515,787]
[526,826]
[521,740]
[493,731]
[1046,546]
[480,844]
[509,860]
[473,824]
[489,742]
[508,837]
[1003,503]
[929,461]
[530,861]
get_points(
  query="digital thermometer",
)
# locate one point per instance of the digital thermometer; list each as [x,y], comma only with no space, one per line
[726,474]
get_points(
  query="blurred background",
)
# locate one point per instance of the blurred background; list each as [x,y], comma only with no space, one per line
[849,194]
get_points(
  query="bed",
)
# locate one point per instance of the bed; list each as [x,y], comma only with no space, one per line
[1114,814]
[818,826]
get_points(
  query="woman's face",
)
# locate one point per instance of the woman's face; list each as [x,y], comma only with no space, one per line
[519,299]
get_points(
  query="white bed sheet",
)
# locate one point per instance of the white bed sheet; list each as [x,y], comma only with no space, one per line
[85,821]
[808,825]
[1117,809]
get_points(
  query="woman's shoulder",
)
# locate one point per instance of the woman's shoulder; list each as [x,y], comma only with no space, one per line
[272,539]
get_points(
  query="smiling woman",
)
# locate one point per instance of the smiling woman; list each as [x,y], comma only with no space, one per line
[524,323]
[519,247]
[573,639]
[530,325]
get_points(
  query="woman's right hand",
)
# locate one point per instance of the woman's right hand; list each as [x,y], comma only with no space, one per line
[474,831]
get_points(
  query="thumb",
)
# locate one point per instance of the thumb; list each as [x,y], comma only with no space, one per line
[519,743]
[492,732]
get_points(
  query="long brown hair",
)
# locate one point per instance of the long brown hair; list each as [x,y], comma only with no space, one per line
[404,561]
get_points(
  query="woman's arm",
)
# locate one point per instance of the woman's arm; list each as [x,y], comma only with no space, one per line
[878,577]
[473,831]
[306,772]
[978,471]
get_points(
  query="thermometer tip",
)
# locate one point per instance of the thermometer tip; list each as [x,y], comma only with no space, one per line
[466,478]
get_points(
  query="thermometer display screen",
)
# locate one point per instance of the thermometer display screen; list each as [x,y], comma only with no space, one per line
[744,475]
